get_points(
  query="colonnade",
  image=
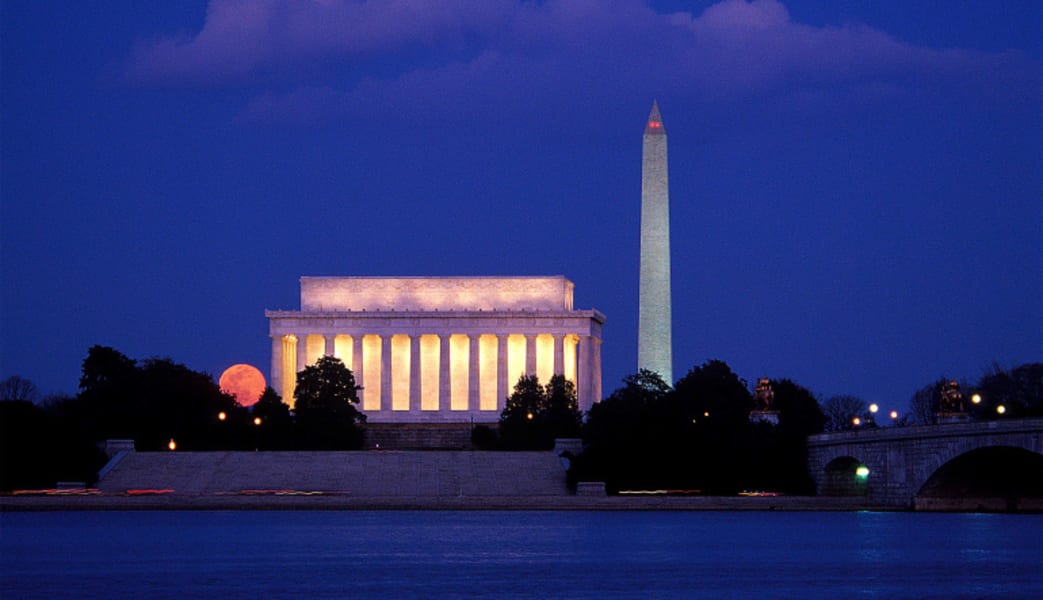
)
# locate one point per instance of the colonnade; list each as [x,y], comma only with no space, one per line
[422,376]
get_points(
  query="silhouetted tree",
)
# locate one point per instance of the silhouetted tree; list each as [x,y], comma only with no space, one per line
[780,459]
[924,405]
[1019,390]
[276,431]
[561,417]
[799,412]
[26,450]
[326,400]
[534,415]
[840,411]
[154,401]
[626,443]
[107,393]
[718,404]
[39,447]
[15,388]
[698,436]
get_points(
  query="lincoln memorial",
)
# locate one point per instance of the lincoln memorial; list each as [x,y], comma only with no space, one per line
[439,349]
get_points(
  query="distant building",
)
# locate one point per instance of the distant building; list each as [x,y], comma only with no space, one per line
[439,349]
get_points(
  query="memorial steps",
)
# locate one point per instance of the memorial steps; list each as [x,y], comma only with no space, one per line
[430,474]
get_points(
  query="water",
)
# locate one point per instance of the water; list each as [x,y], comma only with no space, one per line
[519,555]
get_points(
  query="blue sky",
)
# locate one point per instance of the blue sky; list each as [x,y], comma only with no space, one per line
[855,186]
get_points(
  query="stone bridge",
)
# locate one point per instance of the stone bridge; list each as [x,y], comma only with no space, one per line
[972,462]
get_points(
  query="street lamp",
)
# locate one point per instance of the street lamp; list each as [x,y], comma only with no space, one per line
[873,408]
[856,421]
[257,434]
[172,445]
[1000,409]
[894,415]
[976,399]
[221,416]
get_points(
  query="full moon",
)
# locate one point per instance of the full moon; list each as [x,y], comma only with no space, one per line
[244,382]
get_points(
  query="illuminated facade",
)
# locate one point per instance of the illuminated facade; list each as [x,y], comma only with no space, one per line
[654,343]
[439,349]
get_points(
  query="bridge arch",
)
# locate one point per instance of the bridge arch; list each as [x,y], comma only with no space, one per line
[902,460]
[1007,473]
[844,476]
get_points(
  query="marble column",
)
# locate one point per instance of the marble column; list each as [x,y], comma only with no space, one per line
[356,358]
[530,355]
[331,345]
[277,374]
[444,385]
[502,389]
[595,372]
[559,355]
[584,384]
[302,352]
[385,372]
[473,371]
[414,373]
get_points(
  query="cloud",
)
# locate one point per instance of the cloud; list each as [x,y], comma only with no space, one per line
[243,39]
[338,56]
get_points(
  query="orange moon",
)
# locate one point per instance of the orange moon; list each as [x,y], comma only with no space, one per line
[244,382]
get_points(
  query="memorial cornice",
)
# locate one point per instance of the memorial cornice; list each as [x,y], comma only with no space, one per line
[436,314]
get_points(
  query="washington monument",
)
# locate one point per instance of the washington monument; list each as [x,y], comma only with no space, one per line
[653,336]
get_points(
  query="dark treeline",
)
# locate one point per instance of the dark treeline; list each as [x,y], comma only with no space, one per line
[699,434]
[155,402]
[696,435]
[1001,393]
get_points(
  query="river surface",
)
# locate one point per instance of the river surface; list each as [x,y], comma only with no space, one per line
[361,554]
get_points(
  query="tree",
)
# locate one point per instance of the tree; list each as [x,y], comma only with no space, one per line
[840,411]
[562,417]
[698,436]
[621,436]
[153,401]
[924,405]
[276,422]
[107,388]
[781,460]
[519,427]
[534,416]
[16,388]
[1019,390]
[26,451]
[714,405]
[172,401]
[326,407]
[713,388]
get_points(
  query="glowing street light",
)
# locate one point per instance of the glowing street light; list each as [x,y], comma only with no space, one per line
[257,434]
[1000,409]
[976,399]
[873,408]
[862,472]
[172,445]
[894,415]
[856,421]
[221,416]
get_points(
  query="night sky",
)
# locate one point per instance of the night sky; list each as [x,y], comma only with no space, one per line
[855,185]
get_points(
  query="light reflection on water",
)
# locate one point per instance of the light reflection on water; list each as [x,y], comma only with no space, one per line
[519,554]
